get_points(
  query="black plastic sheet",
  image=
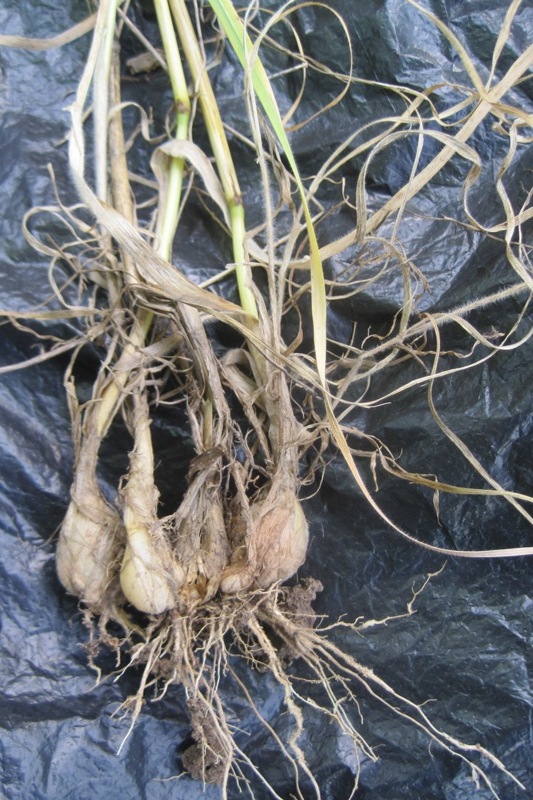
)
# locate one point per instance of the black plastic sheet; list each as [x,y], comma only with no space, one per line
[468,646]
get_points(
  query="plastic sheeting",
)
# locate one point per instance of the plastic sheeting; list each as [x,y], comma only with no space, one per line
[467,648]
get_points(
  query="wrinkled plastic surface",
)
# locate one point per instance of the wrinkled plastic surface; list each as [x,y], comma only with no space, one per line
[467,648]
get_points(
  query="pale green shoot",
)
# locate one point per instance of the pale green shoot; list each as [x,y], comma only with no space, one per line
[168,219]
[217,137]
[241,43]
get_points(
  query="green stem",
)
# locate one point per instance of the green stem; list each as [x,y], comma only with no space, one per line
[167,220]
[242,270]
[221,151]
[169,215]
